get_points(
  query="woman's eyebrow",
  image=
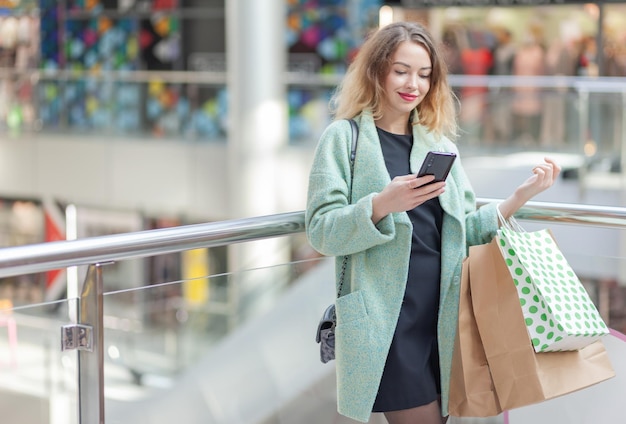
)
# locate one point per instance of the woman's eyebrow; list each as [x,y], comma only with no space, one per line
[406,65]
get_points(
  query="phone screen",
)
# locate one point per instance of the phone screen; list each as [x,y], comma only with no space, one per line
[437,164]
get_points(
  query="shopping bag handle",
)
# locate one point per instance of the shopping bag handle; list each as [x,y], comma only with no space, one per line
[510,224]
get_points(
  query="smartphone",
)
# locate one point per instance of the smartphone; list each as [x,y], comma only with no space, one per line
[437,164]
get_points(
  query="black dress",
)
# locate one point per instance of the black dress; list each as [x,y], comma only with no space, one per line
[411,374]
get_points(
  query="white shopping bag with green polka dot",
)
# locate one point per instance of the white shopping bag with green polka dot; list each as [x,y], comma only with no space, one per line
[558,311]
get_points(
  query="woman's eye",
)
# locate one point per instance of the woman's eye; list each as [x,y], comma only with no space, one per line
[400,72]
[425,76]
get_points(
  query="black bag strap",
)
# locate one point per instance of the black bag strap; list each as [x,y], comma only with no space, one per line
[355,137]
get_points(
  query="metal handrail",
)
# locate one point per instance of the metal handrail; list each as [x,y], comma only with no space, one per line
[569,213]
[41,257]
[62,254]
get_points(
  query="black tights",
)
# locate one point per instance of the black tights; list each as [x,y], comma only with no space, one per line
[426,414]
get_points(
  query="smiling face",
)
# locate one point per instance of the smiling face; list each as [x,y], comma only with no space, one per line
[408,80]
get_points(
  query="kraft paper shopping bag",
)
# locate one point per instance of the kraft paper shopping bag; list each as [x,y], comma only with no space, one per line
[558,311]
[520,375]
[472,393]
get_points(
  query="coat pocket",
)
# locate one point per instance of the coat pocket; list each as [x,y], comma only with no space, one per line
[354,358]
[350,307]
[352,331]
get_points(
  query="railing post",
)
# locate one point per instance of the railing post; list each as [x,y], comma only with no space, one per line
[585,137]
[91,363]
[622,170]
[622,145]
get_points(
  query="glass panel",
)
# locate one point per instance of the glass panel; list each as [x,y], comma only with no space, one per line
[606,112]
[509,117]
[513,118]
[225,345]
[160,338]
[243,344]
[38,382]
[173,351]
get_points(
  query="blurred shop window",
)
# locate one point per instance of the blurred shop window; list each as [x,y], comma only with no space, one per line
[7,320]
[22,223]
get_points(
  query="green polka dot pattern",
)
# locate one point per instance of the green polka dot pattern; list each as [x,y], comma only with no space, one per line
[558,311]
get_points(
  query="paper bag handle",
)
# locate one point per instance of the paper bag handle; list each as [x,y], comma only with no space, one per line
[510,224]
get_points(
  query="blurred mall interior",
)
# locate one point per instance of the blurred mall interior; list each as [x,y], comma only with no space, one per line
[119,116]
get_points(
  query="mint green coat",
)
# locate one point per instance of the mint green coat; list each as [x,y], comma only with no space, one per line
[376,275]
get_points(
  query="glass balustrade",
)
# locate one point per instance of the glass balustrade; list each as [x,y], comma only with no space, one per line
[158,337]
[160,330]
[233,346]
[567,115]
[153,336]
[38,381]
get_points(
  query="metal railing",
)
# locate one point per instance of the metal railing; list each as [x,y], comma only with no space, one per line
[97,251]
[103,249]
[62,254]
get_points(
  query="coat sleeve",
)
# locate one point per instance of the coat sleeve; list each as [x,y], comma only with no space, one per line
[334,227]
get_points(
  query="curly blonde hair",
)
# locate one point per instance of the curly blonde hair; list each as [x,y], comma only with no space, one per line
[362,86]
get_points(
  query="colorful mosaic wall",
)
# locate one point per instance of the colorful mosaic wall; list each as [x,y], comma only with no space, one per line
[322,36]
[92,36]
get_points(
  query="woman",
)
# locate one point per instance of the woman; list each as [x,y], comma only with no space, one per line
[406,238]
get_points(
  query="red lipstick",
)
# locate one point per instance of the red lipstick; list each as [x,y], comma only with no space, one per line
[408,97]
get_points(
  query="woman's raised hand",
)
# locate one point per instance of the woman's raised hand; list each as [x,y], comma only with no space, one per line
[543,177]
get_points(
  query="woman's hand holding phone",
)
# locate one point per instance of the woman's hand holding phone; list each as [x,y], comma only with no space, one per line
[404,193]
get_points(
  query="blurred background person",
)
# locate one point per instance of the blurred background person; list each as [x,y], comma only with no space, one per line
[560,61]
[498,123]
[527,107]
